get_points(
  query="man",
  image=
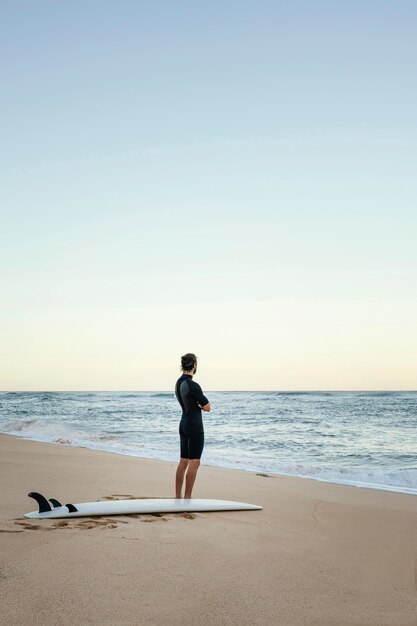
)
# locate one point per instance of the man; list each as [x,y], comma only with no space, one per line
[193,401]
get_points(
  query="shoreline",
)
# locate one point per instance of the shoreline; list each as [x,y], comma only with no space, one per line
[370,486]
[322,439]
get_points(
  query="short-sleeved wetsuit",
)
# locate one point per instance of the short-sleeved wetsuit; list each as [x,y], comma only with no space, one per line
[190,395]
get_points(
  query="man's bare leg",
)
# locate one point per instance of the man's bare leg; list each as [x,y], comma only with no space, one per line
[179,477]
[193,466]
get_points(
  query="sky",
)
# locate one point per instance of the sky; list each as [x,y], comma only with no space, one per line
[234,179]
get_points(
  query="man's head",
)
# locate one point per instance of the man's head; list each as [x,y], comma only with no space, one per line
[189,363]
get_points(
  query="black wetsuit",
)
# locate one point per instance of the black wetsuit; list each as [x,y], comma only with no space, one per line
[190,395]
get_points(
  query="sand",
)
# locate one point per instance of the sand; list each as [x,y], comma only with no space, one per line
[317,554]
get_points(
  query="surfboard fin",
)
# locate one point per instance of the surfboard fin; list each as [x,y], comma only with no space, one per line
[43,503]
[54,502]
[71,508]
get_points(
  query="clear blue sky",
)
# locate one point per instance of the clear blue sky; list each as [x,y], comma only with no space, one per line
[236,179]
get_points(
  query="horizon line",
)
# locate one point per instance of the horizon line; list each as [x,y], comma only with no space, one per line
[210,390]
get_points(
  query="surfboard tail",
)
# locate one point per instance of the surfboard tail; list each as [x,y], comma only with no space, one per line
[44,505]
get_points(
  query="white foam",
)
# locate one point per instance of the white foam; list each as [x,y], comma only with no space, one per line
[398,480]
[41,430]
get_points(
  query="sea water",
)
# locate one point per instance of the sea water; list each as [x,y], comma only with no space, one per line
[365,439]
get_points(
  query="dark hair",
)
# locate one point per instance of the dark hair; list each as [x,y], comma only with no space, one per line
[188,362]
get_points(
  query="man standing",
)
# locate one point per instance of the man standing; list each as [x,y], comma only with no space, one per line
[193,401]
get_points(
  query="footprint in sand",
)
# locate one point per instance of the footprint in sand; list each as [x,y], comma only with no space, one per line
[67,524]
[61,524]
[29,526]
[187,515]
[89,523]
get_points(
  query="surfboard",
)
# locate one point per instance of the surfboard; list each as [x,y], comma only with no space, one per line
[127,507]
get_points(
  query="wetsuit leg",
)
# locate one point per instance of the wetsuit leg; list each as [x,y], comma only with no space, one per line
[183,445]
[195,446]
[191,446]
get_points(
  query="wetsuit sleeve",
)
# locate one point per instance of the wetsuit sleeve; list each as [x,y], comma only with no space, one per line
[198,395]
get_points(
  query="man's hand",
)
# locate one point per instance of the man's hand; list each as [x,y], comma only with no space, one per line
[206,407]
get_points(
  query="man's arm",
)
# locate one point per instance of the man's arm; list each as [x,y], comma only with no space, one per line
[202,402]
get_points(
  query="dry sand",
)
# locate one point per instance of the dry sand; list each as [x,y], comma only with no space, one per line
[317,553]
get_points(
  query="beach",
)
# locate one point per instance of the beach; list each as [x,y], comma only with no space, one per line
[317,553]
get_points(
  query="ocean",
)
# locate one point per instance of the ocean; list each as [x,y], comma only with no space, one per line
[358,438]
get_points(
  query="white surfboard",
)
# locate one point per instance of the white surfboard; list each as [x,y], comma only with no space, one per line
[126,507]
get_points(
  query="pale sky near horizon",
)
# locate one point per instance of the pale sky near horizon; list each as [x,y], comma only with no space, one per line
[235,179]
